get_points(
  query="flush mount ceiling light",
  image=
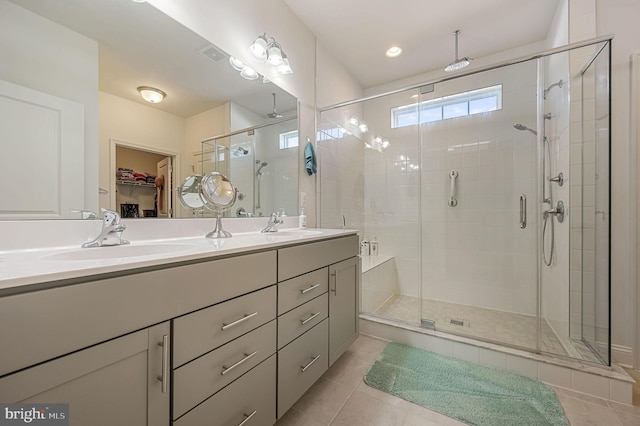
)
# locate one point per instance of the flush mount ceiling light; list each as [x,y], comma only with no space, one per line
[393,52]
[458,64]
[151,94]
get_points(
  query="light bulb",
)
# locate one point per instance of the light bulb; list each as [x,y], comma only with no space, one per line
[258,49]
[274,55]
[236,64]
[249,73]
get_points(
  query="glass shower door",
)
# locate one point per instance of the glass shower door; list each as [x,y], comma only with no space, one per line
[479,151]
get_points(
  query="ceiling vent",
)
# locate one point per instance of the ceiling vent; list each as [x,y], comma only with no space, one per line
[213,53]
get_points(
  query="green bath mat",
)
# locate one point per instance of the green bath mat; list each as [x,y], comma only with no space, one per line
[468,392]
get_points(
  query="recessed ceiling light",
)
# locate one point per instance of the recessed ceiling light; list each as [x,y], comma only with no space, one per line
[393,51]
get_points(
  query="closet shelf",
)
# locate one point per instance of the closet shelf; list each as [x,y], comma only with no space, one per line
[134,183]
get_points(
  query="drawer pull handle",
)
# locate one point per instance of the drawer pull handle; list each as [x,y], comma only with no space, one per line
[164,377]
[304,367]
[247,357]
[306,290]
[248,416]
[236,322]
[303,322]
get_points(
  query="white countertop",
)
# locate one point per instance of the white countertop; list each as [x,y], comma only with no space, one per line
[28,269]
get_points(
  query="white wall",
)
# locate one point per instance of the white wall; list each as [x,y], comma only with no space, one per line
[234,25]
[139,126]
[31,48]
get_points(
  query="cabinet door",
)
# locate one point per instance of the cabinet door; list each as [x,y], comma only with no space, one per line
[344,284]
[112,383]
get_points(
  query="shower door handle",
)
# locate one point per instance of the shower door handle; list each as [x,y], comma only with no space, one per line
[452,189]
[523,211]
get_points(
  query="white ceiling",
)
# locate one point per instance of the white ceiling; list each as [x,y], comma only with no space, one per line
[141,46]
[359,32]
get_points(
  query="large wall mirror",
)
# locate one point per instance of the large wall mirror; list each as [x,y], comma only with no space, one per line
[77,134]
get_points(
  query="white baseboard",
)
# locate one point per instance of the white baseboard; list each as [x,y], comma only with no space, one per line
[622,355]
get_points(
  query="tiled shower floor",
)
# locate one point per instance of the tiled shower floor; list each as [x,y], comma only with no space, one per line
[471,321]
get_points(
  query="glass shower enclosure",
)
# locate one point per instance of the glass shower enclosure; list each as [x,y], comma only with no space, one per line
[488,194]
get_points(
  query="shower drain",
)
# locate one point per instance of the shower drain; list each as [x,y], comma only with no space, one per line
[458,321]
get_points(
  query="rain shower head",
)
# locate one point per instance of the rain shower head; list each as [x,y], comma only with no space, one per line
[458,64]
[275,113]
[519,126]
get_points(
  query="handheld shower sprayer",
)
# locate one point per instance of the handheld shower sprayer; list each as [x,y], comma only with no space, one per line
[519,126]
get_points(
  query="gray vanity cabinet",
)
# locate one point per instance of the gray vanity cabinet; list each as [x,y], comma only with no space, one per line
[122,381]
[344,284]
[317,312]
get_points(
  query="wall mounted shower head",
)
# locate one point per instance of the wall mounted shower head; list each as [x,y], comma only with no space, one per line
[241,150]
[519,126]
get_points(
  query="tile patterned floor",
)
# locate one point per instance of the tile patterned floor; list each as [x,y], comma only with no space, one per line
[488,324]
[340,397]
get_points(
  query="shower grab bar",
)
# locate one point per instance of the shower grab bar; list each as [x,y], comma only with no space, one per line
[452,190]
[523,211]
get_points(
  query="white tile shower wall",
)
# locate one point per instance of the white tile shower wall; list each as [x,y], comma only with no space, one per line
[554,278]
[391,204]
[341,170]
[476,253]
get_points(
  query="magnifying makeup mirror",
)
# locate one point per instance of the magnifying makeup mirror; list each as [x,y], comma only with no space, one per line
[212,191]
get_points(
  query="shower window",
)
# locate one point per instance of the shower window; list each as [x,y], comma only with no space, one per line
[289,139]
[477,101]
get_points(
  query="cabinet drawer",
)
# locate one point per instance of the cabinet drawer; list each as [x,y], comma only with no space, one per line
[297,260]
[202,331]
[255,392]
[303,318]
[27,320]
[296,291]
[196,381]
[292,381]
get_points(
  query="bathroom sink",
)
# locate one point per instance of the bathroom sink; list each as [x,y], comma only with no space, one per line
[114,252]
[292,233]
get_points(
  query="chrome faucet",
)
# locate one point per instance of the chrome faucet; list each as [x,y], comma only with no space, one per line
[274,221]
[111,232]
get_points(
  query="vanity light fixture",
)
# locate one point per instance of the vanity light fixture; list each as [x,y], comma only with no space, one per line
[363,127]
[151,94]
[393,52]
[267,49]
